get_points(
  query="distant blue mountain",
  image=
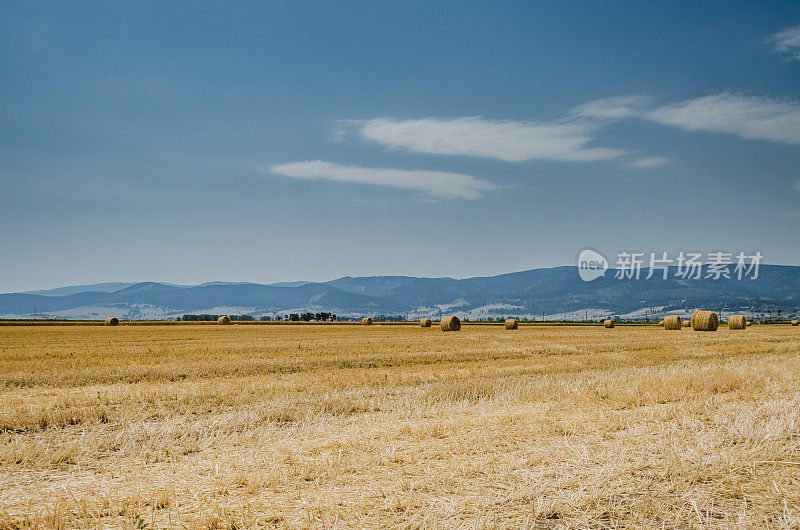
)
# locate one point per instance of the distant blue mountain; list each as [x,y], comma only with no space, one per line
[108,287]
[533,292]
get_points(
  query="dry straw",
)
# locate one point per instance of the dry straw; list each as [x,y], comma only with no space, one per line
[705,321]
[672,322]
[451,323]
[512,323]
[687,324]
[609,323]
[794,322]
[737,322]
[112,321]
[224,319]
[366,321]
[425,322]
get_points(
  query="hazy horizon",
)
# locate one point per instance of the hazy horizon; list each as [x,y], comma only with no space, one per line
[184,284]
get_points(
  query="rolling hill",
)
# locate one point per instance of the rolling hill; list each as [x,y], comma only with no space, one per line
[549,293]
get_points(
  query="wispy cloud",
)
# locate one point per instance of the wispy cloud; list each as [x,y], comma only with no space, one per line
[436,183]
[512,141]
[648,162]
[615,108]
[748,117]
[788,41]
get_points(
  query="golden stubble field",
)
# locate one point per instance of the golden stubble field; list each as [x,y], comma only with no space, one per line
[398,426]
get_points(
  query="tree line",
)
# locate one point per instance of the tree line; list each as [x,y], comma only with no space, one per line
[291,317]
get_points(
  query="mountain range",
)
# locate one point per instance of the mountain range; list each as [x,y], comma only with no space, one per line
[552,293]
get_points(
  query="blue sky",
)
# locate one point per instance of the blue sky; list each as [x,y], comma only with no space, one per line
[189,142]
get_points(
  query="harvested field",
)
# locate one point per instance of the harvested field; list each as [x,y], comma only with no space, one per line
[396,426]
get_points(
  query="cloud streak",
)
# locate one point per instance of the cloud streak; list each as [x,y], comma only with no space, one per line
[748,117]
[616,108]
[435,183]
[788,42]
[511,141]
[648,162]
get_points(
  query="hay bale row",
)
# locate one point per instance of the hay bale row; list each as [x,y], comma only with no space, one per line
[737,322]
[672,322]
[224,320]
[512,323]
[609,323]
[112,321]
[426,322]
[705,321]
[451,323]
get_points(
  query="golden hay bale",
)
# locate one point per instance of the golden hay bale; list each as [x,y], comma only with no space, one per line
[737,322]
[366,321]
[224,319]
[705,321]
[672,322]
[425,322]
[112,321]
[512,323]
[794,322]
[451,323]
[748,322]
[687,323]
[609,323]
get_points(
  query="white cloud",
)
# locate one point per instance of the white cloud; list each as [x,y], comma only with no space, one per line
[436,183]
[748,117]
[512,141]
[788,41]
[648,162]
[613,108]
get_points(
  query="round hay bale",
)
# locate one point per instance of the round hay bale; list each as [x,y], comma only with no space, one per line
[367,321]
[425,322]
[224,319]
[112,321]
[794,322]
[737,322]
[687,323]
[672,322]
[748,323]
[705,321]
[451,323]
[609,323]
[512,323]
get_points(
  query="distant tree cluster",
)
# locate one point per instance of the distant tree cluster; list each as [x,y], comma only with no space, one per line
[213,318]
[376,318]
[301,317]
[389,318]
